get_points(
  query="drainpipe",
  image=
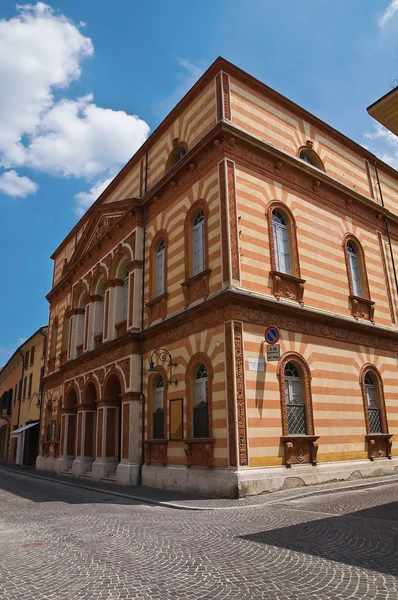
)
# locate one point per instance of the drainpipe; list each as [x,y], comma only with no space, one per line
[143,403]
[387,228]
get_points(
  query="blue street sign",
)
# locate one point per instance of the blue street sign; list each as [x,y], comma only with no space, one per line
[272,335]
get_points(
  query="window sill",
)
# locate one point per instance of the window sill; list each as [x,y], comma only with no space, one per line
[121,328]
[379,445]
[196,287]
[98,340]
[300,449]
[287,286]
[63,357]
[362,308]
[156,452]
[199,452]
[157,307]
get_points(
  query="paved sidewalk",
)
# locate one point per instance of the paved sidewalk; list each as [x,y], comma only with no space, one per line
[186,501]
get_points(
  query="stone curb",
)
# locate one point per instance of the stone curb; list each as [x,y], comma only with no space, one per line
[137,499]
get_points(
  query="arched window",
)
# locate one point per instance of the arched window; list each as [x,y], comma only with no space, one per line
[160,255]
[158,413]
[281,242]
[295,407]
[176,155]
[372,402]
[361,304]
[354,269]
[198,245]
[201,404]
[308,155]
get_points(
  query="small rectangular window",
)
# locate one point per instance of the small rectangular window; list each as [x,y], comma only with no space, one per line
[32,355]
[44,348]
[26,359]
[24,388]
[15,393]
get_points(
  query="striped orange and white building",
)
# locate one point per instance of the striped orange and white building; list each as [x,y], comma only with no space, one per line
[242,211]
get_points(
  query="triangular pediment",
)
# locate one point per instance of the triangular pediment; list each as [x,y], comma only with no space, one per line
[102,220]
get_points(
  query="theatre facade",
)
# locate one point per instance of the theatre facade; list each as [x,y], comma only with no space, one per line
[242,211]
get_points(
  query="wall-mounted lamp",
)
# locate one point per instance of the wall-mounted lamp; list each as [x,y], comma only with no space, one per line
[165,357]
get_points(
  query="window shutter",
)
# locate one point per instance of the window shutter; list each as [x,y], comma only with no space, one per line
[160,273]
[200,391]
[371,396]
[158,399]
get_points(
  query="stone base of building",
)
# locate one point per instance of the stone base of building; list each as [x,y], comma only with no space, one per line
[272,479]
[45,463]
[102,468]
[221,483]
[80,466]
[127,473]
[232,483]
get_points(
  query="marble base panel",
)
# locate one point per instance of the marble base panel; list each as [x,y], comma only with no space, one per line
[127,473]
[45,463]
[232,483]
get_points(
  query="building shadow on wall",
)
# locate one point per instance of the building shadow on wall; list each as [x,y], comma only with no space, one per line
[367,538]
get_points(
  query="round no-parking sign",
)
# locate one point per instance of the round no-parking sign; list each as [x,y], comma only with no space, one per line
[272,335]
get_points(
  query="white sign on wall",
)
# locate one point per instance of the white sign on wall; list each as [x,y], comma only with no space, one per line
[273,352]
[256,364]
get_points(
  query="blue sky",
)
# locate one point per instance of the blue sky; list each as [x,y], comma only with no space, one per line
[84,83]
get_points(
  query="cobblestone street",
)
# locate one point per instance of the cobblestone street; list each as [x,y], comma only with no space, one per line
[63,543]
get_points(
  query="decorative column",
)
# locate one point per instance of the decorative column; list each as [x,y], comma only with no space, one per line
[127,470]
[107,447]
[67,450]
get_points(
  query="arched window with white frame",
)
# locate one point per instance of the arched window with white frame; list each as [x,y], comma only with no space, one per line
[281,243]
[295,405]
[198,246]
[160,267]
[355,269]
[201,404]
[372,401]
[158,412]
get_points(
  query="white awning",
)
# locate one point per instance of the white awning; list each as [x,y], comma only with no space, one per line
[16,432]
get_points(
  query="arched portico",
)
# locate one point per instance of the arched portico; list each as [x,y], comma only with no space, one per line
[109,418]
[68,431]
[86,422]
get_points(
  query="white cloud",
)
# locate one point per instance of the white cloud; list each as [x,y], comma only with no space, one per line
[42,51]
[85,199]
[383,143]
[79,138]
[14,185]
[388,14]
